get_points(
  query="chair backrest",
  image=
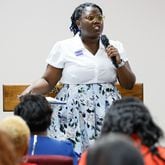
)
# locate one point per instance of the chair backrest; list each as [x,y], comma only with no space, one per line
[50,160]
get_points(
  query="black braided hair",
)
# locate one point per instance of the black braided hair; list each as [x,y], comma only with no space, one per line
[77,14]
[130,116]
[36,111]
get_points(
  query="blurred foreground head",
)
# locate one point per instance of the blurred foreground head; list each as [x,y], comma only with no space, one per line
[114,149]
[19,133]
[7,150]
[131,117]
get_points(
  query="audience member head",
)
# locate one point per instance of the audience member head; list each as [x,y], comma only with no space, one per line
[77,14]
[114,149]
[131,117]
[36,111]
[19,133]
[7,150]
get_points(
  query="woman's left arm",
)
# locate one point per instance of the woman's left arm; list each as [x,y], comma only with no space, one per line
[125,76]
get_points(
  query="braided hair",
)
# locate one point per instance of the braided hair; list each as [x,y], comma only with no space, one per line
[36,111]
[77,14]
[130,116]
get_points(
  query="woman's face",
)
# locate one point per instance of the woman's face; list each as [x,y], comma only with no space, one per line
[91,22]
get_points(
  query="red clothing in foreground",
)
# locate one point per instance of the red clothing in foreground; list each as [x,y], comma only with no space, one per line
[83,158]
[149,158]
[28,164]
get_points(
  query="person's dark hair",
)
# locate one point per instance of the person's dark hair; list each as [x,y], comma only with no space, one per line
[130,116]
[114,149]
[77,14]
[36,111]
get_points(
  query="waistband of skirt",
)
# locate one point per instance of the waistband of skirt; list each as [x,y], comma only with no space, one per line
[106,85]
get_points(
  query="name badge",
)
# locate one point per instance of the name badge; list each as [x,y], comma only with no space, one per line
[78,52]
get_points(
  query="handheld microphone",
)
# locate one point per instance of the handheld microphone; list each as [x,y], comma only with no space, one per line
[105,42]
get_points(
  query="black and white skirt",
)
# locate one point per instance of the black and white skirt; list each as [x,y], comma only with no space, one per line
[80,120]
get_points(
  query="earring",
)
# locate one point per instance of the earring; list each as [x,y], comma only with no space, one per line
[79,30]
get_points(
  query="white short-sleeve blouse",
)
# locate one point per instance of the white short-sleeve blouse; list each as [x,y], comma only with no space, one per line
[80,66]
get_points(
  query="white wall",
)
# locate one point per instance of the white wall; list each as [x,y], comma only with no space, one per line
[28,30]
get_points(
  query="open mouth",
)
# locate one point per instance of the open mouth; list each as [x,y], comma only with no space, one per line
[96,27]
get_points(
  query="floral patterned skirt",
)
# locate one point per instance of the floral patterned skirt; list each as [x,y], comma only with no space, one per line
[80,120]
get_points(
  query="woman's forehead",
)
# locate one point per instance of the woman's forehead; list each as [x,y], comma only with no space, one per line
[91,10]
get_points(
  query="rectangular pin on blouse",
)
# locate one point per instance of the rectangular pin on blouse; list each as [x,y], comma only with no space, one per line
[78,52]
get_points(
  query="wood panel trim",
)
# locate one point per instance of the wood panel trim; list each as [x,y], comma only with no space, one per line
[11,92]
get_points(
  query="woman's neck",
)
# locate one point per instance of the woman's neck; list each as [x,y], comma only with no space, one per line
[92,44]
[90,40]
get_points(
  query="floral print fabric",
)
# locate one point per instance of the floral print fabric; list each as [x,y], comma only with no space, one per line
[80,120]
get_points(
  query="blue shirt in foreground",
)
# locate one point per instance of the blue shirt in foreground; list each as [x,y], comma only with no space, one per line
[44,145]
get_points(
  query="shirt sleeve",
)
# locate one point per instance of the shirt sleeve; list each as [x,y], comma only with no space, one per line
[56,56]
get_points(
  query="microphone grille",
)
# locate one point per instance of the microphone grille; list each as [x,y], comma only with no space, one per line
[104,40]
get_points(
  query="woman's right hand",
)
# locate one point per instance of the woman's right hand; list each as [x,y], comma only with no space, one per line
[26,91]
[44,85]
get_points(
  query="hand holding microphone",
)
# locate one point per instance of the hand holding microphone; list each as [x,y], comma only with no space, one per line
[112,52]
